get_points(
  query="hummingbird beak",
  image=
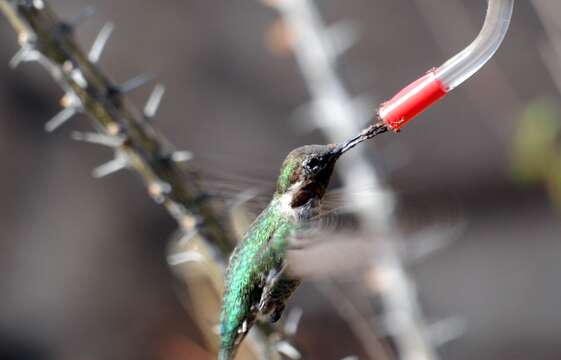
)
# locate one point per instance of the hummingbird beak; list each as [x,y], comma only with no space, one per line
[368,133]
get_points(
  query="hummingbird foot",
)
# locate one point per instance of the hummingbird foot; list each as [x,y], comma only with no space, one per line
[266,302]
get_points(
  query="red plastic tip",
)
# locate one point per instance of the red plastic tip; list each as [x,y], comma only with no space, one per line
[412,100]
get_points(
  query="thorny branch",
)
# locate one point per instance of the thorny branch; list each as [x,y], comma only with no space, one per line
[138,147]
[551,49]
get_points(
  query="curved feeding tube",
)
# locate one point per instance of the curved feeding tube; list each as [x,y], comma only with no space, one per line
[438,82]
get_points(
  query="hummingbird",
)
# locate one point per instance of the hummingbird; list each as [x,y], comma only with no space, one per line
[257,279]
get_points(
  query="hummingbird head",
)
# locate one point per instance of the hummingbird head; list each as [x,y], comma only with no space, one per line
[306,172]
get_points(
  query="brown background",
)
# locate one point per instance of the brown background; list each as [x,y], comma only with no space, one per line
[82,270]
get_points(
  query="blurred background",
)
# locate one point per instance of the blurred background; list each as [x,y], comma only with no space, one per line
[83,273]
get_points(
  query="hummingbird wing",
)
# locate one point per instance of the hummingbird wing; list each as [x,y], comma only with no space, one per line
[326,254]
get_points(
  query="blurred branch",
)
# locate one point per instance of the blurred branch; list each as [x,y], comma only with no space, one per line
[137,146]
[550,49]
[360,325]
[317,48]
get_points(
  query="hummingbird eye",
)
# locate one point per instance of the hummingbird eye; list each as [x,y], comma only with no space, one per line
[313,164]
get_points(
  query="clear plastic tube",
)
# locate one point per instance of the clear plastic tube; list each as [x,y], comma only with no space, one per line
[466,63]
[437,83]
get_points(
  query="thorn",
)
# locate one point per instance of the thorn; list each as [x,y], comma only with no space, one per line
[98,139]
[134,83]
[26,54]
[284,347]
[117,164]
[71,104]
[340,37]
[181,156]
[184,258]
[189,223]
[38,4]
[67,66]
[157,190]
[24,38]
[75,74]
[100,42]
[78,77]
[159,187]
[70,99]
[60,118]
[113,129]
[154,101]
[446,330]
[292,321]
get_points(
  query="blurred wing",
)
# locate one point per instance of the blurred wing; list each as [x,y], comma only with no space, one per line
[326,254]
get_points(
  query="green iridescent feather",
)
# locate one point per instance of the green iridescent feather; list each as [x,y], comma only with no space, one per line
[261,251]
